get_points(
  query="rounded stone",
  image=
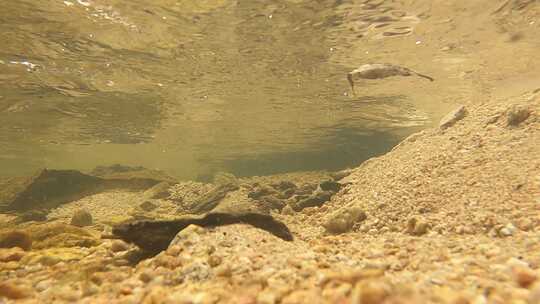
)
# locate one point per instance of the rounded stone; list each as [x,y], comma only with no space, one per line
[81,218]
[118,245]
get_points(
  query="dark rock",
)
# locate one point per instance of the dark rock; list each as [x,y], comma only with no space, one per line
[51,188]
[272,202]
[337,176]
[261,191]
[81,218]
[315,200]
[306,189]
[148,206]
[153,237]
[33,216]
[48,189]
[15,238]
[284,185]
[128,173]
[331,186]
[287,193]
[158,191]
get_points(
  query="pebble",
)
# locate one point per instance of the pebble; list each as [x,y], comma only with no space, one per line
[147,206]
[451,118]
[507,230]
[11,254]
[168,261]
[534,296]
[119,245]
[48,260]
[287,210]
[517,114]
[524,276]
[370,292]
[352,276]
[266,297]
[223,270]
[214,261]
[416,226]
[147,276]
[344,219]
[43,285]
[14,291]
[16,238]
[81,218]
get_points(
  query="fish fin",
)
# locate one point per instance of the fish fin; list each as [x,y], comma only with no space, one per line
[351,83]
[425,76]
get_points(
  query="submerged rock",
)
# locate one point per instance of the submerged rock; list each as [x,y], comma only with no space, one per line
[344,219]
[517,114]
[158,191]
[121,172]
[51,188]
[52,235]
[211,199]
[81,218]
[314,200]
[339,175]
[417,226]
[331,186]
[147,206]
[15,238]
[11,254]
[118,246]
[14,291]
[451,118]
[48,189]
[33,216]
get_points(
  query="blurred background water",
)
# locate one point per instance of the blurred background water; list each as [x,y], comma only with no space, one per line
[195,87]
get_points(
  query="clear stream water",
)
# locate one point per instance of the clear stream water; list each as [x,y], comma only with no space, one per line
[189,87]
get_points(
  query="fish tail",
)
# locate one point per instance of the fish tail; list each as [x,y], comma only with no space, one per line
[351,83]
[425,76]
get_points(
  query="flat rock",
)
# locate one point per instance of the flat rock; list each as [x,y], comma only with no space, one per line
[451,118]
[48,189]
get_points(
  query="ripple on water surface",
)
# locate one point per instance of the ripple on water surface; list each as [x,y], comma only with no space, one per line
[192,87]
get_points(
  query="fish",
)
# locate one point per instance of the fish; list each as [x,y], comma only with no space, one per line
[379,71]
[154,236]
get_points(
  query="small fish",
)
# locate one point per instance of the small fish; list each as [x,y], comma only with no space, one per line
[152,237]
[379,71]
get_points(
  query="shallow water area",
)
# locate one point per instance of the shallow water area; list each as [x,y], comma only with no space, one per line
[193,88]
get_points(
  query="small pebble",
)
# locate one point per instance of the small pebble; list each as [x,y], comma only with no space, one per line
[119,245]
[81,218]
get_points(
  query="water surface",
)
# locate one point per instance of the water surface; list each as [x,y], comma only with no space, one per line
[191,87]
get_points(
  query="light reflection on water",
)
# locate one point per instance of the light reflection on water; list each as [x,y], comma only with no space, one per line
[190,87]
